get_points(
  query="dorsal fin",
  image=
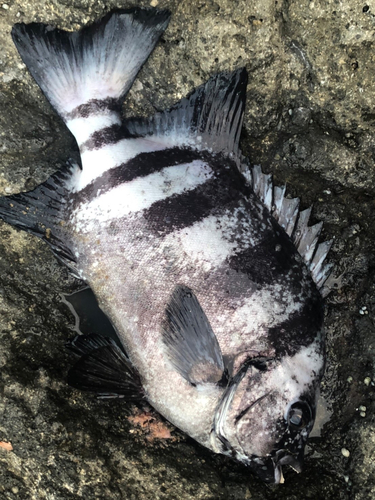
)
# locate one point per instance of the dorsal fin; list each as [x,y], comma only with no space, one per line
[295,223]
[41,212]
[209,118]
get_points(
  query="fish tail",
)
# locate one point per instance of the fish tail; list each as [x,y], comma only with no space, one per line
[86,74]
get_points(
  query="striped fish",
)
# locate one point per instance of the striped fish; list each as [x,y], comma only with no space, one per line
[212,279]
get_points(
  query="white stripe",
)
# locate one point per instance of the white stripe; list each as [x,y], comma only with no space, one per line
[204,241]
[139,194]
[83,128]
[262,311]
[212,240]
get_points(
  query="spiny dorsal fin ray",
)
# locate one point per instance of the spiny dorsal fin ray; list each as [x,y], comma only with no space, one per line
[104,369]
[301,227]
[262,186]
[191,344]
[295,223]
[99,62]
[41,212]
[309,241]
[209,118]
[285,209]
[318,270]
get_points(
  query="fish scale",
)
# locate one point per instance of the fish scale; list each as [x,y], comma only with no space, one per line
[212,279]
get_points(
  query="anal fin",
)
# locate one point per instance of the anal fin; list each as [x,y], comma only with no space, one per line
[191,344]
[104,369]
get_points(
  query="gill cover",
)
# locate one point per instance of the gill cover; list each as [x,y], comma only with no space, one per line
[262,425]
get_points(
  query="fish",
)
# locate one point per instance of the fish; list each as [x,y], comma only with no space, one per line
[211,276]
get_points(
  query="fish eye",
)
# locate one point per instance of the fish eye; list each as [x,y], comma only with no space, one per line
[299,415]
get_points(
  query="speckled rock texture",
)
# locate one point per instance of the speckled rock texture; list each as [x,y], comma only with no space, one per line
[310,120]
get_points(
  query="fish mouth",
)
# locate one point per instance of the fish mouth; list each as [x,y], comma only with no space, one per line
[270,469]
[282,458]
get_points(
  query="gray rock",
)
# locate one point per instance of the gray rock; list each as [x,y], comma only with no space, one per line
[310,121]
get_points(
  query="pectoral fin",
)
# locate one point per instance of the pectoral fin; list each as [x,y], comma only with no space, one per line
[191,344]
[104,369]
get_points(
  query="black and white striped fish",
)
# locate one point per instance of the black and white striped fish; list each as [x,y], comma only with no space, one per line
[210,276]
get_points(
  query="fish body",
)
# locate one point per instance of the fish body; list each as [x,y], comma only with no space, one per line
[211,278]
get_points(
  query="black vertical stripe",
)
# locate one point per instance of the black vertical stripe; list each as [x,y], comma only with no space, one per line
[225,191]
[185,209]
[275,255]
[94,107]
[302,328]
[141,165]
[103,137]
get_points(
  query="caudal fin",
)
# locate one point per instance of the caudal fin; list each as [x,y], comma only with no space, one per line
[94,67]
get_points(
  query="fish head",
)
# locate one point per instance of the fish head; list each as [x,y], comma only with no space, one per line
[267,413]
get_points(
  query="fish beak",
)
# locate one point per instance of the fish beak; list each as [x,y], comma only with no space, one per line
[279,477]
[282,480]
[292,461]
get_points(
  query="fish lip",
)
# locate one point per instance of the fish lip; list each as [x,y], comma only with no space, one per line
[285,457]
[292,461]
[278,474]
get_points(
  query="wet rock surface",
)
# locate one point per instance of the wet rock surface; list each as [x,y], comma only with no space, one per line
[310,121]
